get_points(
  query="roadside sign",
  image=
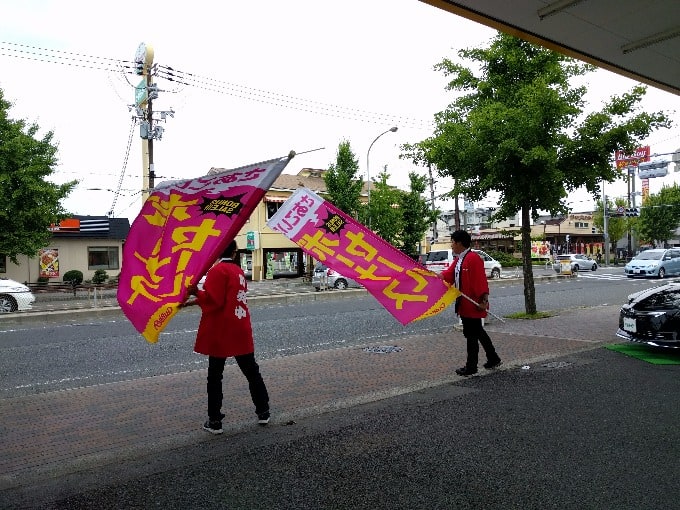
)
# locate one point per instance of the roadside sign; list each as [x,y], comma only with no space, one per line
[141,93]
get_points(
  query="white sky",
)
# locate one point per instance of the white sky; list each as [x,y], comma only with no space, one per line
[366,56]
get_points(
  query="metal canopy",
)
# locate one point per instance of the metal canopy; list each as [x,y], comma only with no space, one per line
[639,39]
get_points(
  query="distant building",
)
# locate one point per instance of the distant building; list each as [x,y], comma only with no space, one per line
[85,243]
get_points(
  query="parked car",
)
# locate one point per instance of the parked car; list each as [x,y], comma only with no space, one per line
[579,262]
[325,277]
[652,316]
[492,267]
[14,296]
[656,262]
[438,260]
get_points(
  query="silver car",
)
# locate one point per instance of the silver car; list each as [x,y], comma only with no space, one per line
[657,263]
[326,278]
[578,262]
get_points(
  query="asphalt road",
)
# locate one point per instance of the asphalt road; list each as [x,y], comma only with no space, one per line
[86,349]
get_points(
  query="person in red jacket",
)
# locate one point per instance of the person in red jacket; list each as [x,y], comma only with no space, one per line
[467,274]
[225,330]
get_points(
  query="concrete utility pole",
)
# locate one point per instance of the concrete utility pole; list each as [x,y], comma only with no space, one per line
[434,223]
[145,92]
[605,228]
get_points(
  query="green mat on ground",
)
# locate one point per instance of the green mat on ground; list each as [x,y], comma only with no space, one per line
[647,353]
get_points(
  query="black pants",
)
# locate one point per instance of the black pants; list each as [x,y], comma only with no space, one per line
[249,368]
[474,333]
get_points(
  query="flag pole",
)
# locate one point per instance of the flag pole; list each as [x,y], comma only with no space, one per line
[477,304]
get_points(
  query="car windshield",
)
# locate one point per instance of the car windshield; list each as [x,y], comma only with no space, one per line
[437,256]
[649,255]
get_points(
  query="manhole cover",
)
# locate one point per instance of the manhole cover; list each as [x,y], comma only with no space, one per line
[557,364]
[383,349]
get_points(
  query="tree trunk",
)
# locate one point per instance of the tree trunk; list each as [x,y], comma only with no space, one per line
[527,267]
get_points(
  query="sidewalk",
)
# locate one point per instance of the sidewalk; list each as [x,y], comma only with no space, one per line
[53,435]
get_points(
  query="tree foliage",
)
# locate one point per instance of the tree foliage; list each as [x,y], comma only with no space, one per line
[384,215]
[659,216]
[342,185]
[30,203]
[417,216]
[519,129]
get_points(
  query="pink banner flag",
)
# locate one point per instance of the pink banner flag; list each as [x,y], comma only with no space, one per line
[182,229]
[405,288]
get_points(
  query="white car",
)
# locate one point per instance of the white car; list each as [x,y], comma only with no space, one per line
[438,260]
[14,296]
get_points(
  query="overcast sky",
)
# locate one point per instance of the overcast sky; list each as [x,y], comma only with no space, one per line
[296,75]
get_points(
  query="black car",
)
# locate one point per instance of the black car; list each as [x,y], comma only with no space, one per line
[652,317]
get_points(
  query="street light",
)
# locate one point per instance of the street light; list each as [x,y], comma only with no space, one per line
[368,173]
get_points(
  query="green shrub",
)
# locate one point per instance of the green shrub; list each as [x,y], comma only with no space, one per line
[506,259]
[43,279]
[100,276]
[73,277]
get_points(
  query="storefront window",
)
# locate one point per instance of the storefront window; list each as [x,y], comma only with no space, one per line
[272,208]
[102,257]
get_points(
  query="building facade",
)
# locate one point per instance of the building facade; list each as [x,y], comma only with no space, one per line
[84,243]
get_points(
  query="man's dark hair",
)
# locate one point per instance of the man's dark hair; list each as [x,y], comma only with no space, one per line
[462,237]
[230,250]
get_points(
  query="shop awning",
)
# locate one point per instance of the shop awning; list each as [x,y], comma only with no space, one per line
[273,198]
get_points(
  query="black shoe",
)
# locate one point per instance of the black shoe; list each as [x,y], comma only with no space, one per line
[263,418]
[465,371]
[493,364]
[213,426]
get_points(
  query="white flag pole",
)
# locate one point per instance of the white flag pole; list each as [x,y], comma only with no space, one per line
[477,304]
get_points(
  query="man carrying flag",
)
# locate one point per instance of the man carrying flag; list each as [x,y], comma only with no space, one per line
[225,330]
[182,229]
[466,273]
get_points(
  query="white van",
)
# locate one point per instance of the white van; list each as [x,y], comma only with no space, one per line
[438,260]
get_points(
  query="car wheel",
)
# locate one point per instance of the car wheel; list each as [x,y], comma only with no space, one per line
[594,267]
[662,272]
[7,304]
[340,284]
[575,268]
[495,273]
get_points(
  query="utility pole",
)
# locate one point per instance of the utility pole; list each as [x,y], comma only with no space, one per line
[434,223]
[605,228]
[145,92]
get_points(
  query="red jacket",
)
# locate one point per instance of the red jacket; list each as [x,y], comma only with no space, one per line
[473,284]
[225,329]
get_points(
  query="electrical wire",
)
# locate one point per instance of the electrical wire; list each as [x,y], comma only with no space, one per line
[168,73]
[125,162]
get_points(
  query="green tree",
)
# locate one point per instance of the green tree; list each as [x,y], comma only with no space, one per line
[417,216]
[385,214]
[617,226]
[29,202]
[342,185]
[519,129]
[659,216]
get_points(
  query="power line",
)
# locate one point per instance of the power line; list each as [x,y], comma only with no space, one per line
[168,73]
